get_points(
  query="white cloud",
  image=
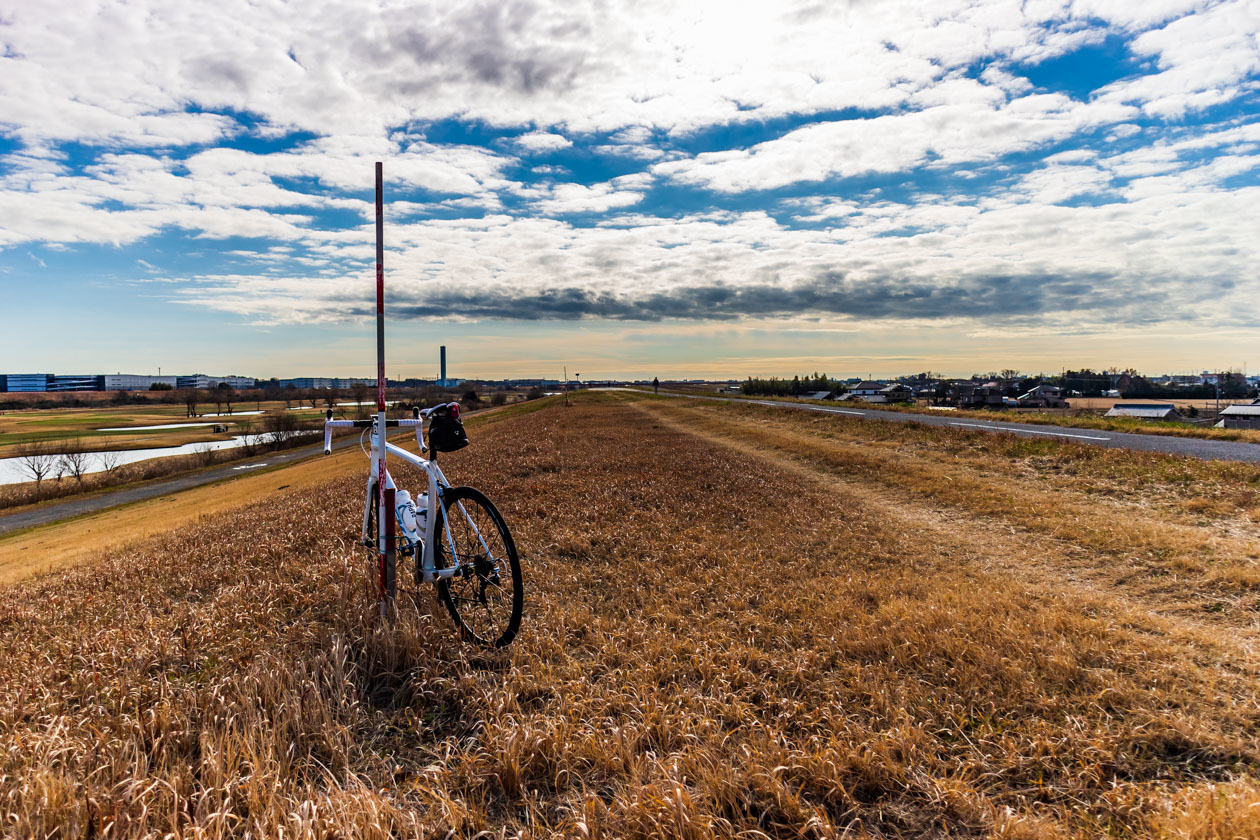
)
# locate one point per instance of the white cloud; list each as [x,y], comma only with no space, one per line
[940,135]
[543,141]
[336,68]
[1078,265]
[1203,59]
[170,99]
[563,199]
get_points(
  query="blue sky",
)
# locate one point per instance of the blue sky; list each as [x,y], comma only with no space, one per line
[701,189]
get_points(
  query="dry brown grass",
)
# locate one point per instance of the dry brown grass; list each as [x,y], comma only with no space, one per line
[716,645]
[66,543]
[1176,529]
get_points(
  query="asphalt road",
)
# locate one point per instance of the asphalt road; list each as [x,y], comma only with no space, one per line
[1208,450]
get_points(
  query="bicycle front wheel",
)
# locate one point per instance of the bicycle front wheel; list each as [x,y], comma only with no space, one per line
[485,596]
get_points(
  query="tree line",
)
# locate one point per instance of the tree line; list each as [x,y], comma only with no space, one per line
[797,385]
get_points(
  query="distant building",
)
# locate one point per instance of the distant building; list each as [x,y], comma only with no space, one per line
[898,393]
[868,391]
[972,395]
[75,382]
[1182,381]
[200,380]
[321,382]
[1240,417]
[540,383]
[26,382]
[1146,411]
[1043,396]
[134,382]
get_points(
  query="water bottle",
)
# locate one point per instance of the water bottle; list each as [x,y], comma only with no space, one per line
[408,520]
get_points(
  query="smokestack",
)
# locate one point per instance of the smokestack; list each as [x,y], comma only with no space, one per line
[443,354]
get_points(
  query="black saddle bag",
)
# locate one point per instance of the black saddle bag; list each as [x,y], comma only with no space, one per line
[446,433]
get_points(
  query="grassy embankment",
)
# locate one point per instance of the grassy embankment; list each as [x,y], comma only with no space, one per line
[1078,419]
[48,547]
[739,623]
[57,425]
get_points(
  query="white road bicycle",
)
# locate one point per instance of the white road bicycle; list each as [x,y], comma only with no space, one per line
[455,537]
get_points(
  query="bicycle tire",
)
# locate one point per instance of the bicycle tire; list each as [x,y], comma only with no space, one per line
[468,595]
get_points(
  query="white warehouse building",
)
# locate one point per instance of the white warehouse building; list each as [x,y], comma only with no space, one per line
[135,382]
[200,380]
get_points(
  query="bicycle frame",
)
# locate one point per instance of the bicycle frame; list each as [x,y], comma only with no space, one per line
[426,572]
[437,483]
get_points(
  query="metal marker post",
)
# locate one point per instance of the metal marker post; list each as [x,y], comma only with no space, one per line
[385,497]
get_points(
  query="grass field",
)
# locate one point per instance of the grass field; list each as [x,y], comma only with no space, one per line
[60,424]
[738,624]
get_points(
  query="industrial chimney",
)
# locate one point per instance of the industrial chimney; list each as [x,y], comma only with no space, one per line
[443,355]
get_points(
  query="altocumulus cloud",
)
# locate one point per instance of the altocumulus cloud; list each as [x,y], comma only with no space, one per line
[1091,162]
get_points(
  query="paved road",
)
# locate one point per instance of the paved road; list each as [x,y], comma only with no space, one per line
[54,511]
[1208,450]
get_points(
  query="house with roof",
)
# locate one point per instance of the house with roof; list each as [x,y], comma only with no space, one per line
[867,391]
[973,395]
[898,393]
[1240,417]
[1043,396]
[1146,411]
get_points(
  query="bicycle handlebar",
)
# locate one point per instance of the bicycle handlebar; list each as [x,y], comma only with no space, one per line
[417,420]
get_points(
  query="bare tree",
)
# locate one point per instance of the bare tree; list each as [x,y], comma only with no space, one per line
[189,396]
[38,460]
[204,455]
[111,460]
[279,427]
[251,438]
[75,459]
[330,398]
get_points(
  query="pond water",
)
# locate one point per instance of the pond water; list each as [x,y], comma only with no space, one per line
[12,471]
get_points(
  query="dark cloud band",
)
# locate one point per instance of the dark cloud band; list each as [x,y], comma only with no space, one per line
[1000,297]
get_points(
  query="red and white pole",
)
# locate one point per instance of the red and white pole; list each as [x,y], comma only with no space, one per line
[385,498]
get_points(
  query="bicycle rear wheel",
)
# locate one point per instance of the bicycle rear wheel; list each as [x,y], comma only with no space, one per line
[485,596]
